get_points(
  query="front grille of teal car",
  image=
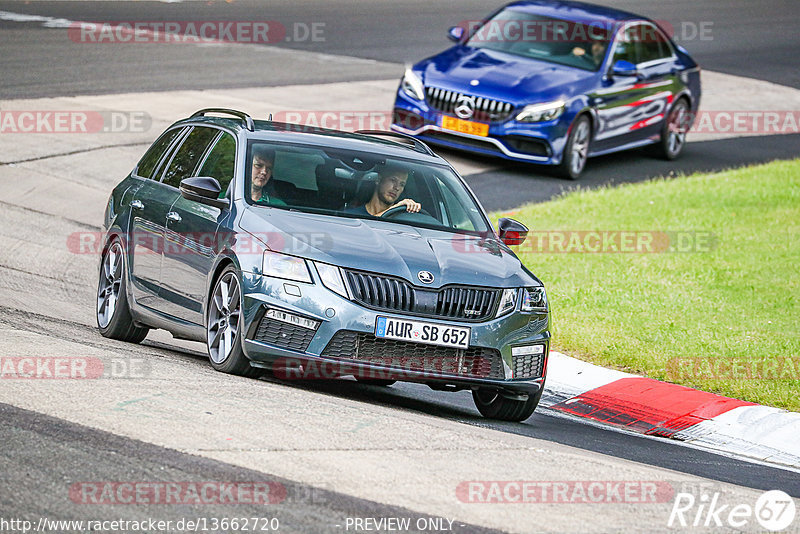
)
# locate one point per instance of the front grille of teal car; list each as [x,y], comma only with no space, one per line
[486,109]
[434,361]
[395,295]
[284,335]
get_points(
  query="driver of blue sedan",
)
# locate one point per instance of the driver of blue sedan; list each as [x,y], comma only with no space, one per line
[389,188]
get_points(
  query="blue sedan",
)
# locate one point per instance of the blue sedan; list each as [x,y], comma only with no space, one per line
[553,83]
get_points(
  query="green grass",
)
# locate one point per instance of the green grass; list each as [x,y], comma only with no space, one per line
[724,318]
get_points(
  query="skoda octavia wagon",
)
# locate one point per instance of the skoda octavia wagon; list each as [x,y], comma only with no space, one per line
[553,83]
[321,254]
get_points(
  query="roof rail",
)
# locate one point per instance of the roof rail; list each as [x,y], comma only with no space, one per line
[419,146]
[248,120]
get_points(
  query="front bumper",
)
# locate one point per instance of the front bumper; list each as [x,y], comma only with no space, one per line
[329,349]
[541,143]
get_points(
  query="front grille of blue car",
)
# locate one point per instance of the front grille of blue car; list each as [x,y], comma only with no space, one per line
[395,295]
[433,360]
[486,109]
[528,366]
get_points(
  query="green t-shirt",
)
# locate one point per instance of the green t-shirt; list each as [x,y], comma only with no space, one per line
[272,201]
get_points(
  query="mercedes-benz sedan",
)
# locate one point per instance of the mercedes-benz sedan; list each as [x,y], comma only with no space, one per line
[553,83]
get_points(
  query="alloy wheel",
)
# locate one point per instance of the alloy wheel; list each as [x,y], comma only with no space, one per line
[580,147]
[223,317]
[110,283]
[677,128]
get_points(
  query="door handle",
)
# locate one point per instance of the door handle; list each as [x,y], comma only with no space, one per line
[137,205]
[173,216]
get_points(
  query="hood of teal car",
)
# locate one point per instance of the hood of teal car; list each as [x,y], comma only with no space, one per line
[389,248]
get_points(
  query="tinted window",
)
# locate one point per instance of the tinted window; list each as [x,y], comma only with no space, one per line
[148,163]
[543,38]
[650,44]
[626,47]
[188,155]
[220,162]
[342,183]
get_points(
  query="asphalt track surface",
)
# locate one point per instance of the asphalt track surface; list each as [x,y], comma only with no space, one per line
[742,37]
[753,39]
[41,453]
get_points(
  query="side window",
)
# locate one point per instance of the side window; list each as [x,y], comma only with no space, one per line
[220,162]
[148,163]
[651,44]
[454,208]
[188,155]
[626,48]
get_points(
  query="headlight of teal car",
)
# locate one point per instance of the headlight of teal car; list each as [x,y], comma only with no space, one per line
[508,301]
[541,112]
[331,277]
[534,299]
[284,266]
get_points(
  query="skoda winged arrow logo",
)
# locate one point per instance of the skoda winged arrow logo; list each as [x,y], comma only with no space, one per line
[426,277]
[465,107]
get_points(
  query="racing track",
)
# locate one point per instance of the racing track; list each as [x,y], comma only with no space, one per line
[340,448]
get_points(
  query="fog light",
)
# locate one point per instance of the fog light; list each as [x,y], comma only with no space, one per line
[290,318]
[525,350]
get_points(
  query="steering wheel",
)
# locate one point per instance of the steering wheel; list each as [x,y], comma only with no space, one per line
[392,212]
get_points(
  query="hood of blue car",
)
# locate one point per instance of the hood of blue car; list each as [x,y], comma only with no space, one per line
[503,76]
[389,248]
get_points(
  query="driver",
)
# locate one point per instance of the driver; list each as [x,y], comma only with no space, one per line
[597,49]
[390,186]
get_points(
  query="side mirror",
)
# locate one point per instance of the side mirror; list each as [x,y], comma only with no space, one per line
[455,33]
[512,232]
[624,68]
[203,189]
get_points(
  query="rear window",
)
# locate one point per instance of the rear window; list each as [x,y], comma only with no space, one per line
[148,164]
[188,155]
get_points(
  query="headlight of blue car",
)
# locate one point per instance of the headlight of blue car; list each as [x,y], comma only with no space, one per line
[542,112]
[412,86]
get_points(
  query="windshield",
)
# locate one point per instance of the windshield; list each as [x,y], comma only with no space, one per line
[359,185]
[557,41]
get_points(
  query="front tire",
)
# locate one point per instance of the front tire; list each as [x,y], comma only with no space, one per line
[224,327]
[673,133]
[493,405]
[576,151]
[113,312]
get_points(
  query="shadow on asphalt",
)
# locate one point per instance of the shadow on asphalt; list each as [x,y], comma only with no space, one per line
[548,426]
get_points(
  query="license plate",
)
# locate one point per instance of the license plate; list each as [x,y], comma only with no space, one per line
[467,127]
[421,332]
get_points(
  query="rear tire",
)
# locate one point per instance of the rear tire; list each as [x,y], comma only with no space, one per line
[576,151]
[224,330]
[493,405]
[113,313]
[673,132]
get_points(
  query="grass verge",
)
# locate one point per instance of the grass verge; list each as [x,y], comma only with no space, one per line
[707,295]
